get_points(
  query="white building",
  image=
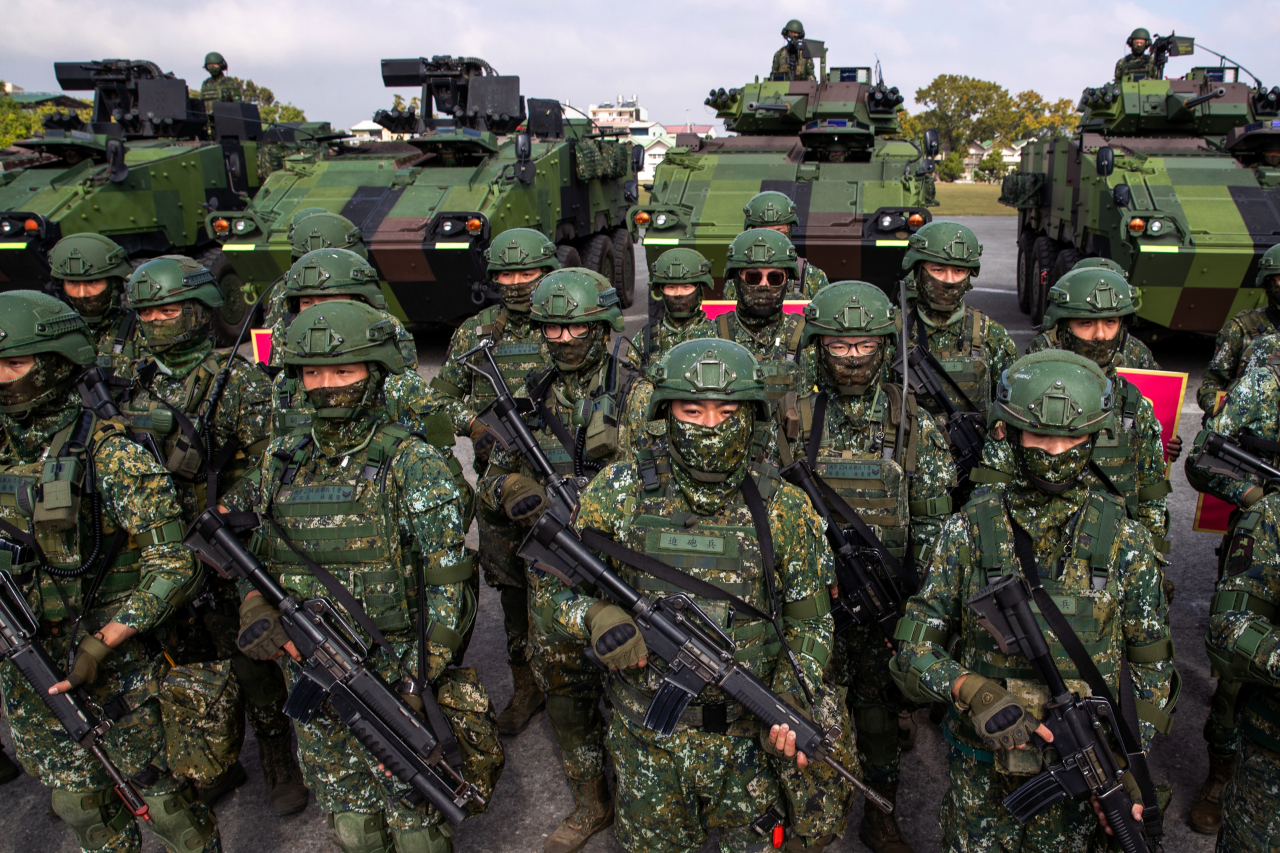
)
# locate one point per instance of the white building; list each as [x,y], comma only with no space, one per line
[366,130]
[1010,155]
[622,111]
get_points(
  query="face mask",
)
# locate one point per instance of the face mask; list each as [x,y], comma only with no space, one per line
[1050,473]
[38,385]
[93,308]
[343,401]
[1100,353]
[760,300]
[515,297]
[1273,290]
[682,307]
[853,375]
[578,353]
[193,322]
[717,451]
[941,295]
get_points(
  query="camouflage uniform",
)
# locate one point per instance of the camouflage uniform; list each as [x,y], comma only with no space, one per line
[1078,534]
[1137,61]
[776,211]
[150,575]
[672,790]
[379,509]
[804,69]
[1234,347]
[217,87]
[310,228]
[1241,642]
[1133,353]
[91,257]
[683,318]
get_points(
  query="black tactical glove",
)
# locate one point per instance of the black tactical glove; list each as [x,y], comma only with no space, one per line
[261,637]
[521,497]
[482,441]
[614,636]
[89,656]
[1000,720]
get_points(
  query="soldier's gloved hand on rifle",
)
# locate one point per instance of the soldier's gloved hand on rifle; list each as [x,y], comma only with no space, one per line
[1000,720]
[1174,448]
[1135,794]
[482,441]
[261,636]
[89,655]
[615,637]
[522,497]
[780,741]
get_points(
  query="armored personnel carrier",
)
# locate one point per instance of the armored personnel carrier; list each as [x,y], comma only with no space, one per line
[144,171]
[1165,177]
[832,146]
[477,161]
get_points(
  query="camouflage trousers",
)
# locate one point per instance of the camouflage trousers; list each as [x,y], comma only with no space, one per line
[1220,731]
[672,790]
[874,702]
[818,801]
[1251,803]
[974,819]
[573,686]
[83,795]
[504,570]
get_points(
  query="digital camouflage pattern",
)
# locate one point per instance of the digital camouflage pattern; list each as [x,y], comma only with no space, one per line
[1242,630]
[1249,411]
[220,88]
[773,343]
[656,339]
[1263,350]
[1132,353]
[803,70]
[966,336]
[1233,353]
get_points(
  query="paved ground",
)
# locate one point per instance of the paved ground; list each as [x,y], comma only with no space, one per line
[532,796]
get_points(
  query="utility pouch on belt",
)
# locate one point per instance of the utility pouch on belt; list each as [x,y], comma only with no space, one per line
[184,460]
[57,504]
[162,421]
[602,428]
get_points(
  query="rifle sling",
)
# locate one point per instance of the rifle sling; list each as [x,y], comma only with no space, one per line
[922,340]
[550,418]
[1127,730]
[1252,442]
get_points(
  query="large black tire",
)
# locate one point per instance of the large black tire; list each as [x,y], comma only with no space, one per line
[598,255]
[568,256]
[1023,272]
[624,269]
[1067,258]
[1043,255]
[231,318]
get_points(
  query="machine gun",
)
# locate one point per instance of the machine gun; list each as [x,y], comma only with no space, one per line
[1163,47]
[1220,455]
[136,95]
[336,666]
[1087,765]
[868,590]
[466,90]
[963,428]
[82,721]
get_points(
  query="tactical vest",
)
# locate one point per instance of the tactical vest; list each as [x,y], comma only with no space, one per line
[1256,324]
[656,340]
[119,337]
[513,358]
[342,520]
[779,360]
[967,364]
[45,497]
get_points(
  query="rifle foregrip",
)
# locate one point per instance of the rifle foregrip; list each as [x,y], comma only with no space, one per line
[1128,832]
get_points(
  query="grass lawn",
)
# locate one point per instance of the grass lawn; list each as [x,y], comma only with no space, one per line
[970,200]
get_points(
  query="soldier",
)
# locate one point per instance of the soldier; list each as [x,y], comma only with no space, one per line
[1137,62]
[311,228]
[574,310]
[851,419]
[518,260]
[793,60]
[1241,642]
[777,212]
[1054,405]
[762,266]
[141,577]
[211,685]
[1235,342]
[712,772]
[218,87]
[357,496]
[680,280]
[92,269]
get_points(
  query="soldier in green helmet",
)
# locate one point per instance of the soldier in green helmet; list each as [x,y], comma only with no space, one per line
[218,87]
[679,280]
[720,769]
[851,419]
[206,444]
[374,506]
[590,408]
[1097,564]
[763,268]
[518,260]
[1090,314]
[793,60]
[1104,263]
[140,579]
[1240,335]
[92,269]
[311,228]
[1137,62]
[776,211]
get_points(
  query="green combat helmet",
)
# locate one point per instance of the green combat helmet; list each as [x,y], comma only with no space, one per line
[299,215]
[793,26]
[326,230]
[90,257]
[519,249]
[332,272]
[1139,33]
[215,58]
[1093,294]
[576,295]
[852,308]
[943,242]
[1053,392]
[1103,263]
[681,266]
[171,279]
[1268,265]
[343,332]
[768,209]
[33,323]
[708,369]
[761,248]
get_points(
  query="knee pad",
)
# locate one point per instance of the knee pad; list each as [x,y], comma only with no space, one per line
[354,832]
[877,729]
[432,839]
[261,681]
[570,719]
[95,817]
[180,820]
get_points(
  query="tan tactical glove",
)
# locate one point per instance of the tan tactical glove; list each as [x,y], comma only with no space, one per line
[522,498]
[999,719]
[89,656]
[482,441]
[261,637]
[614,636]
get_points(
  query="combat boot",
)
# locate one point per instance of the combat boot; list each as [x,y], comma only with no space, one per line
[282,773]
[230,779]
[9,770]
[593,811]
[879,831]
[526,701]
[1206,811]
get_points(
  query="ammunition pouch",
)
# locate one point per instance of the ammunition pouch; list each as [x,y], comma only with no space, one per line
[467,707]
[202,707]
[57,498]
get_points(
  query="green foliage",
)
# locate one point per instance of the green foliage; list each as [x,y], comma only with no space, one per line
[966,110]
[18,123]
[992,167]
[271,110]
[1040,118]
[951,167]
[398,103]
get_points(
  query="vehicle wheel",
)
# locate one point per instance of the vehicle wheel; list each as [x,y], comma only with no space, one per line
[1043,255]
[624,277]
[599,256]
[1067,258]
[234,314]
[1023,272]
[568,256]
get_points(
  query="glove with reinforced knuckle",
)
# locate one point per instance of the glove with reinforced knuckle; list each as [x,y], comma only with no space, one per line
[482,441]
[614,636]
[521,497]
[1000,720]
[261,637]
[89,656]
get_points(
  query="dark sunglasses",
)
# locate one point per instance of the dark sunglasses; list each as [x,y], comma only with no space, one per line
[776,278]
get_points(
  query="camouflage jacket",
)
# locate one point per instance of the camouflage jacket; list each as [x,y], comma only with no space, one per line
[994,342]
[215,89]
[804,69]
[385,512]
[151,574]
[1124,612]
[1251,410]
[1130,64]
[1133,353]
[1231,352]
[1263,350]
[119,341]
[1243,623]
[663,523]
[654,342]
[776,346]
[812,280]
[519,350]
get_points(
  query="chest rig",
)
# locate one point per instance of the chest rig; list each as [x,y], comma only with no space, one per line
[514,355]
[778,355]
[1256,323]
[118,339]
[966,363]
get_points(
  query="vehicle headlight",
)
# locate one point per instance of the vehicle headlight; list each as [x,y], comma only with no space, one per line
[1155,226]
[8,226]
[886,222]
[660,220]
[242,226]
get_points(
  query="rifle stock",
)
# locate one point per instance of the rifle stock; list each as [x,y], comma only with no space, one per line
[1220,455]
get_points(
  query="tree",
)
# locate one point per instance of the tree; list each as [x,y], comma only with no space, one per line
[269,108]
[1039,118]
[951,167]
[965,110]
[399,104]
[19,123]
[993,166]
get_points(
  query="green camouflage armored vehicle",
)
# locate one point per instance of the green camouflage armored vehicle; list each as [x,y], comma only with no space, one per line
[428,201]
[1168,178]
[144,171]
[832,146]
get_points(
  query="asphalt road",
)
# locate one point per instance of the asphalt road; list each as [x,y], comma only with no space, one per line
[532,796]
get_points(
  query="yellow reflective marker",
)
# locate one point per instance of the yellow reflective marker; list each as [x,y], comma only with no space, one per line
[239,247]
[662,241]
[453,245]
[1159,250]
[891,243]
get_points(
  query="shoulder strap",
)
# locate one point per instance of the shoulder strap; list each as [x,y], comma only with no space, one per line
[1274,317]
[124,331]
[723,321]
[815,431]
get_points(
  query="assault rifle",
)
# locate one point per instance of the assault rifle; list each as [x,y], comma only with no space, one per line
[966,438]
[79,717]
[1087,765]
[1221,455]
[336,666]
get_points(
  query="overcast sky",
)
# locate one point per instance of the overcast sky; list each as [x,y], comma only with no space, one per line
[323,54]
